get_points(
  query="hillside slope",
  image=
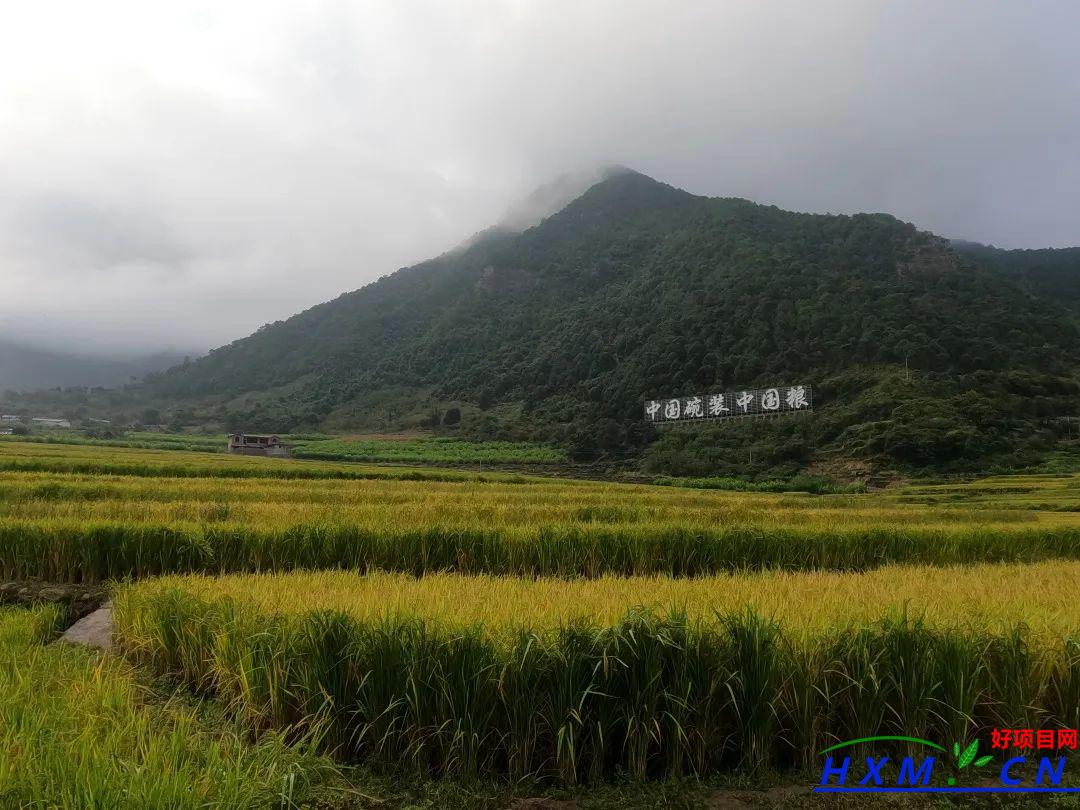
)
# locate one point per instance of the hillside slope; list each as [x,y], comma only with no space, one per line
[1050,273]
[637,289]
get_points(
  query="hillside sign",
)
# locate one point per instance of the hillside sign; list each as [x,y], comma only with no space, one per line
[753,402]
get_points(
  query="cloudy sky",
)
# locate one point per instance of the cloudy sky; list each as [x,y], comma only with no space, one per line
[176,174]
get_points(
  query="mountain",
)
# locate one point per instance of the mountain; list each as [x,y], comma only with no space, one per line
[921,356]
[1050,273]
[24,368]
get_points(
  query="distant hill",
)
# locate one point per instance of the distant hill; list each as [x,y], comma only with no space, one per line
[24,368]
[1050,273]
[922,356]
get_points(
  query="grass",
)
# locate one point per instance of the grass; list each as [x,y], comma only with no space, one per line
[80,729]
[580,681]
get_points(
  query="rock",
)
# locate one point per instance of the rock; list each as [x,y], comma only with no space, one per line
[94,630]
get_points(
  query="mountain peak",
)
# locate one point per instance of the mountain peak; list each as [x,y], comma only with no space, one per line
[552,197]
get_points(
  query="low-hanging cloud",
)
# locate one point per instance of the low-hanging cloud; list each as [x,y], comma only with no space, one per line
[175,175]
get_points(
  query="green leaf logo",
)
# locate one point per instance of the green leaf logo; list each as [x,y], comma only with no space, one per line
[968,756]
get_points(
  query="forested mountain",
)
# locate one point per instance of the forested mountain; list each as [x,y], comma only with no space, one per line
[921,355]
[1051,273]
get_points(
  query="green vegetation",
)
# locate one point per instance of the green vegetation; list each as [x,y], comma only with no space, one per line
[800,483]
[421,450]
[79,729]
[94,460]
[439,449]
[1053,274]
[516,630]
[133,439]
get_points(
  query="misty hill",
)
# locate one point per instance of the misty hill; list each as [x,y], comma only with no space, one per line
[1051,273]
[24,368]
[635,289]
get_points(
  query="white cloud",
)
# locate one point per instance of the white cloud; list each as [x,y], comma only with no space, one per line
[158,161]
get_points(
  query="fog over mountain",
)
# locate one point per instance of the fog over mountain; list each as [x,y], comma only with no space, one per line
[177,175]
[24,368]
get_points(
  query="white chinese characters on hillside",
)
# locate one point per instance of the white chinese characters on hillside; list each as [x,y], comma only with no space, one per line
[753,402]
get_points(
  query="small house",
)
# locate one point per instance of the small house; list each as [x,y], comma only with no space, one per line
[250,444]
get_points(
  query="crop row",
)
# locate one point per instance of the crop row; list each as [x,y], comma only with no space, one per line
[986,595]
[438,450]
[650,695]
[396,502]
[94,551]
[442,450]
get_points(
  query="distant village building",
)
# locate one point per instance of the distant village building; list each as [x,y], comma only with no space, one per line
[6,431]
[10,417]
[249,444]
[47,421]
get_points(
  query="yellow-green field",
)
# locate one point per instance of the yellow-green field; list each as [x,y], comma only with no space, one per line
[77,513]
[986,596]
[460,624]
[582,679]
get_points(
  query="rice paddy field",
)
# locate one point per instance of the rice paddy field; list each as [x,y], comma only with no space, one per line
[586,679]
[465,626]
[90,514]
[407,450]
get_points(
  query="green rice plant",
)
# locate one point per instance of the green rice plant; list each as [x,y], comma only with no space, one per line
[93,551]
[757,674]
[80,729]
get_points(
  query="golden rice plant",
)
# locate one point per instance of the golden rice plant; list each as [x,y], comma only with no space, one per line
[108,513]
[578,680]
